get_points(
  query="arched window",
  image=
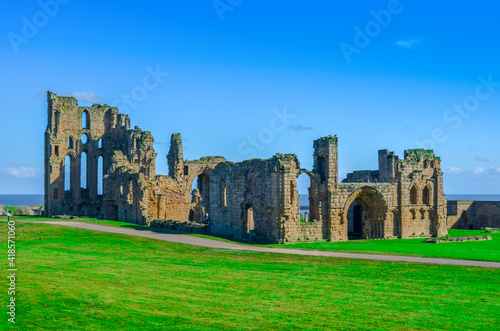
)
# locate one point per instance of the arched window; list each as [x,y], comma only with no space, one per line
[67,173]
[303,188]
[99,143]
[249,224]
[413,195]
[100,175]
[83,172]
[85,120]
[426,196]
[84,138]
[223,193]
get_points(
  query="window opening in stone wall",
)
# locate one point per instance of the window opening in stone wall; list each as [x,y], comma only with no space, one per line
[223,197]
[83,170]
[413,195]
[99,143]
[249,223]
[56,150]
[100,175]
[303,187]
[84,138]
[85,120]
[67,175]
[426,196]
[70,143]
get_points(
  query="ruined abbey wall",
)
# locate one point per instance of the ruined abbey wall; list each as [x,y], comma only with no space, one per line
[130,189]
[255,200]
[473,215]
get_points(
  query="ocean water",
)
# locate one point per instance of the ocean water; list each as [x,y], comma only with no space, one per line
[477,197]
[21,199]
[304,198]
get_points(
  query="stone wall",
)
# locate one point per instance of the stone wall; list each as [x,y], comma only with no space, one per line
[473,215]
[255,199]
[403,199]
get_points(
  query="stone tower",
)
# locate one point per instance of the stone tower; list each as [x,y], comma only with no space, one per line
[80,143]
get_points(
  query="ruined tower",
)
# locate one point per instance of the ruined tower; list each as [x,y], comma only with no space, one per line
[80,143]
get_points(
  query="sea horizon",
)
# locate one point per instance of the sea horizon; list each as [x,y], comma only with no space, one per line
[16,200]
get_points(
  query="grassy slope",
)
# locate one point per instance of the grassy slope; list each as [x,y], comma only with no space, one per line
[477,250]
[79,279]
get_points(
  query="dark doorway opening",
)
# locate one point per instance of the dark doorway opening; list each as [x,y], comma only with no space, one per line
[366,215]
[355,221]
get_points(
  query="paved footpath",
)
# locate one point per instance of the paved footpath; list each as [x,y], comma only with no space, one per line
[203,242]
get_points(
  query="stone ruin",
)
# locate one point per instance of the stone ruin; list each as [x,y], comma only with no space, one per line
[255,200]
[473,215]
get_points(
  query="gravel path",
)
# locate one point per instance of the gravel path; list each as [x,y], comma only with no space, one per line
[203,242]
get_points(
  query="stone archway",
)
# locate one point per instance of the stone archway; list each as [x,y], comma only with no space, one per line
[365,214]
[312,200]
[201,182]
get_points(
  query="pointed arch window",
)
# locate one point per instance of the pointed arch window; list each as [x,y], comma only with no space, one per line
[426,196]
[413,195]
[85,119]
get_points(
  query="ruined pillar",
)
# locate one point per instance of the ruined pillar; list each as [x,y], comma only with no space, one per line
[325,170]
[175,157]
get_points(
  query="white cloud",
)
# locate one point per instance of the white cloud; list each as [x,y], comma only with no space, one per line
[87,96]
[453,170]
[22,172]
[407,43]
[482,158]
[478,170]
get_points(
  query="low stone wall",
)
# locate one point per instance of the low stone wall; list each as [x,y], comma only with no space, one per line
[191,227]
[470,215]
[456,239]
[306,232]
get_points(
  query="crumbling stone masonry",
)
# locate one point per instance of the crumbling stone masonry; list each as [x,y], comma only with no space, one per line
[473,215]
[255,200]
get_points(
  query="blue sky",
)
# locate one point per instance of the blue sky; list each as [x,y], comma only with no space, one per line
[252,78]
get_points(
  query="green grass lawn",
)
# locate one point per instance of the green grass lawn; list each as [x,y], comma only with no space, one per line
[75,279]
[474,250]
[470,250]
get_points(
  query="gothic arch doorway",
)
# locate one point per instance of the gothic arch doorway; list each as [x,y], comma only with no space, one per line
[365,211]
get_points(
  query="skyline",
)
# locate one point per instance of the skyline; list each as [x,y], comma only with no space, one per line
[253,79]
